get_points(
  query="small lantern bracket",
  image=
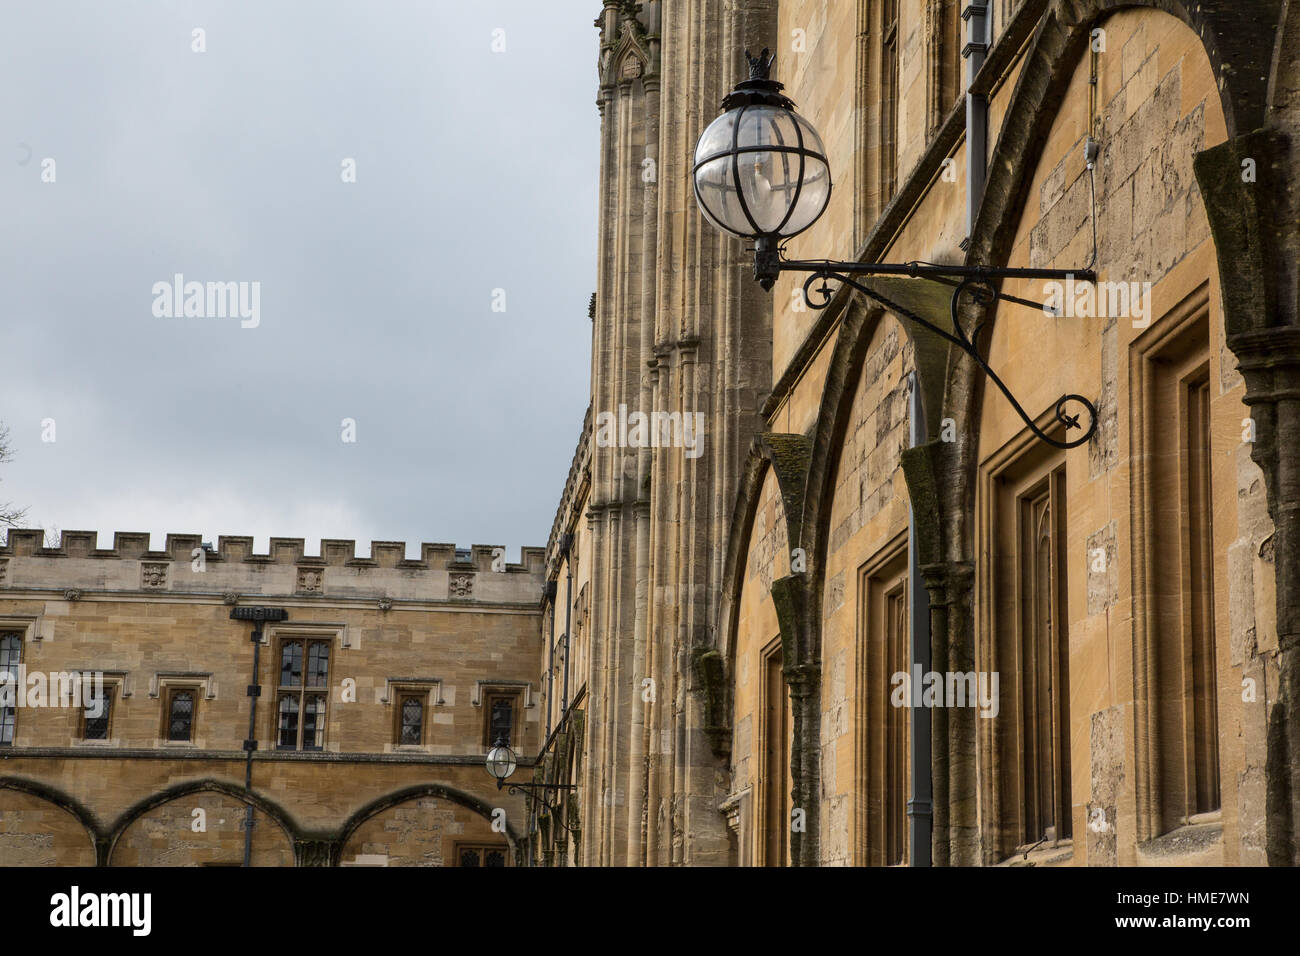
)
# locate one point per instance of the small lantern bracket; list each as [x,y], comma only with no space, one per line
[536,791]
[533,791]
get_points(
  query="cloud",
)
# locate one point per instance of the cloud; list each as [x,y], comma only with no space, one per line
[476,171]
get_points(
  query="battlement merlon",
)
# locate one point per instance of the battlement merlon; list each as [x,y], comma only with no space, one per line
[286,569]
[134,545]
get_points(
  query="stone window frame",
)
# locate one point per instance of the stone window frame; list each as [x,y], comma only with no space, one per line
[29,624]
[161,687]
[1155,763]
[23,627]
[274,636]
[398,688]
[523,686]
[503,848]
[118,683]
[871,114]
[1004,475]
[764,815]
[344,632]
[486,691]
[880,572]
[738,810]
[891,36]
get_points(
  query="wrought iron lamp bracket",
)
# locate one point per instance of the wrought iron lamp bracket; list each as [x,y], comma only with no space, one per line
[534,791]
[977,281]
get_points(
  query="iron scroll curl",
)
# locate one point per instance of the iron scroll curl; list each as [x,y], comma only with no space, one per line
[982,290]
[549,810]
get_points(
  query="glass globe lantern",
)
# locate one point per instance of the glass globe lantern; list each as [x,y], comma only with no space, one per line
[501,762]
[760,168]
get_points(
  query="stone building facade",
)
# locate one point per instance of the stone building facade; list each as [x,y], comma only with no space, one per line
[379,692]
[847,607]
[864,499]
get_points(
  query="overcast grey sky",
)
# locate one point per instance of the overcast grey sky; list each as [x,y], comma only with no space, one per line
[476,171]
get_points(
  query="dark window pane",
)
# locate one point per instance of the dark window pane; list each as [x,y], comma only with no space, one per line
[501,721]
[318,663]
[313,723]
[288,739]
[494,858]
[291,664]
[469,857]
[412,720]
[181,724]
[11,649]
[98,710]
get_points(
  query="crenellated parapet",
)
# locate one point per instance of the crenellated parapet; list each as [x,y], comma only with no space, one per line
[187,565]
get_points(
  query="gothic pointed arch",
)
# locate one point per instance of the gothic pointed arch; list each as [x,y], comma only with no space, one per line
[1058,45]
[282,818]
[1240,228]
[437,791]
[65,802]
[628,56]
[715,666]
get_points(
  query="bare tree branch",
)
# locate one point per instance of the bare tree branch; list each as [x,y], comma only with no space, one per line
[10,517]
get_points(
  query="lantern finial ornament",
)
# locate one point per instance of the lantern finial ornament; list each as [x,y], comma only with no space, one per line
[760,67]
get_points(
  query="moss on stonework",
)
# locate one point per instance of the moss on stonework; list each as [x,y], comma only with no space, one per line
[1237,221]
[710,680]
[919,471]
[789,598]
[791,457]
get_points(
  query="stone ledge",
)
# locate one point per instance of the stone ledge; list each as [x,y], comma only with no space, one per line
[114,753]
[1194,844]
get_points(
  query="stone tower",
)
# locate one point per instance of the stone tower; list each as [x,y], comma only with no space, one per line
[678,327]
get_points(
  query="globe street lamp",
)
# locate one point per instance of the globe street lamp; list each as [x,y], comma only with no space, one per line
[501,762]
[760,168]
[761,174]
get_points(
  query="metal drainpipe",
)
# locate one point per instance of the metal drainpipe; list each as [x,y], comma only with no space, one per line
[254,691]
[979,30]
[567,544]
[552,588]
[976,16]
[920,804]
